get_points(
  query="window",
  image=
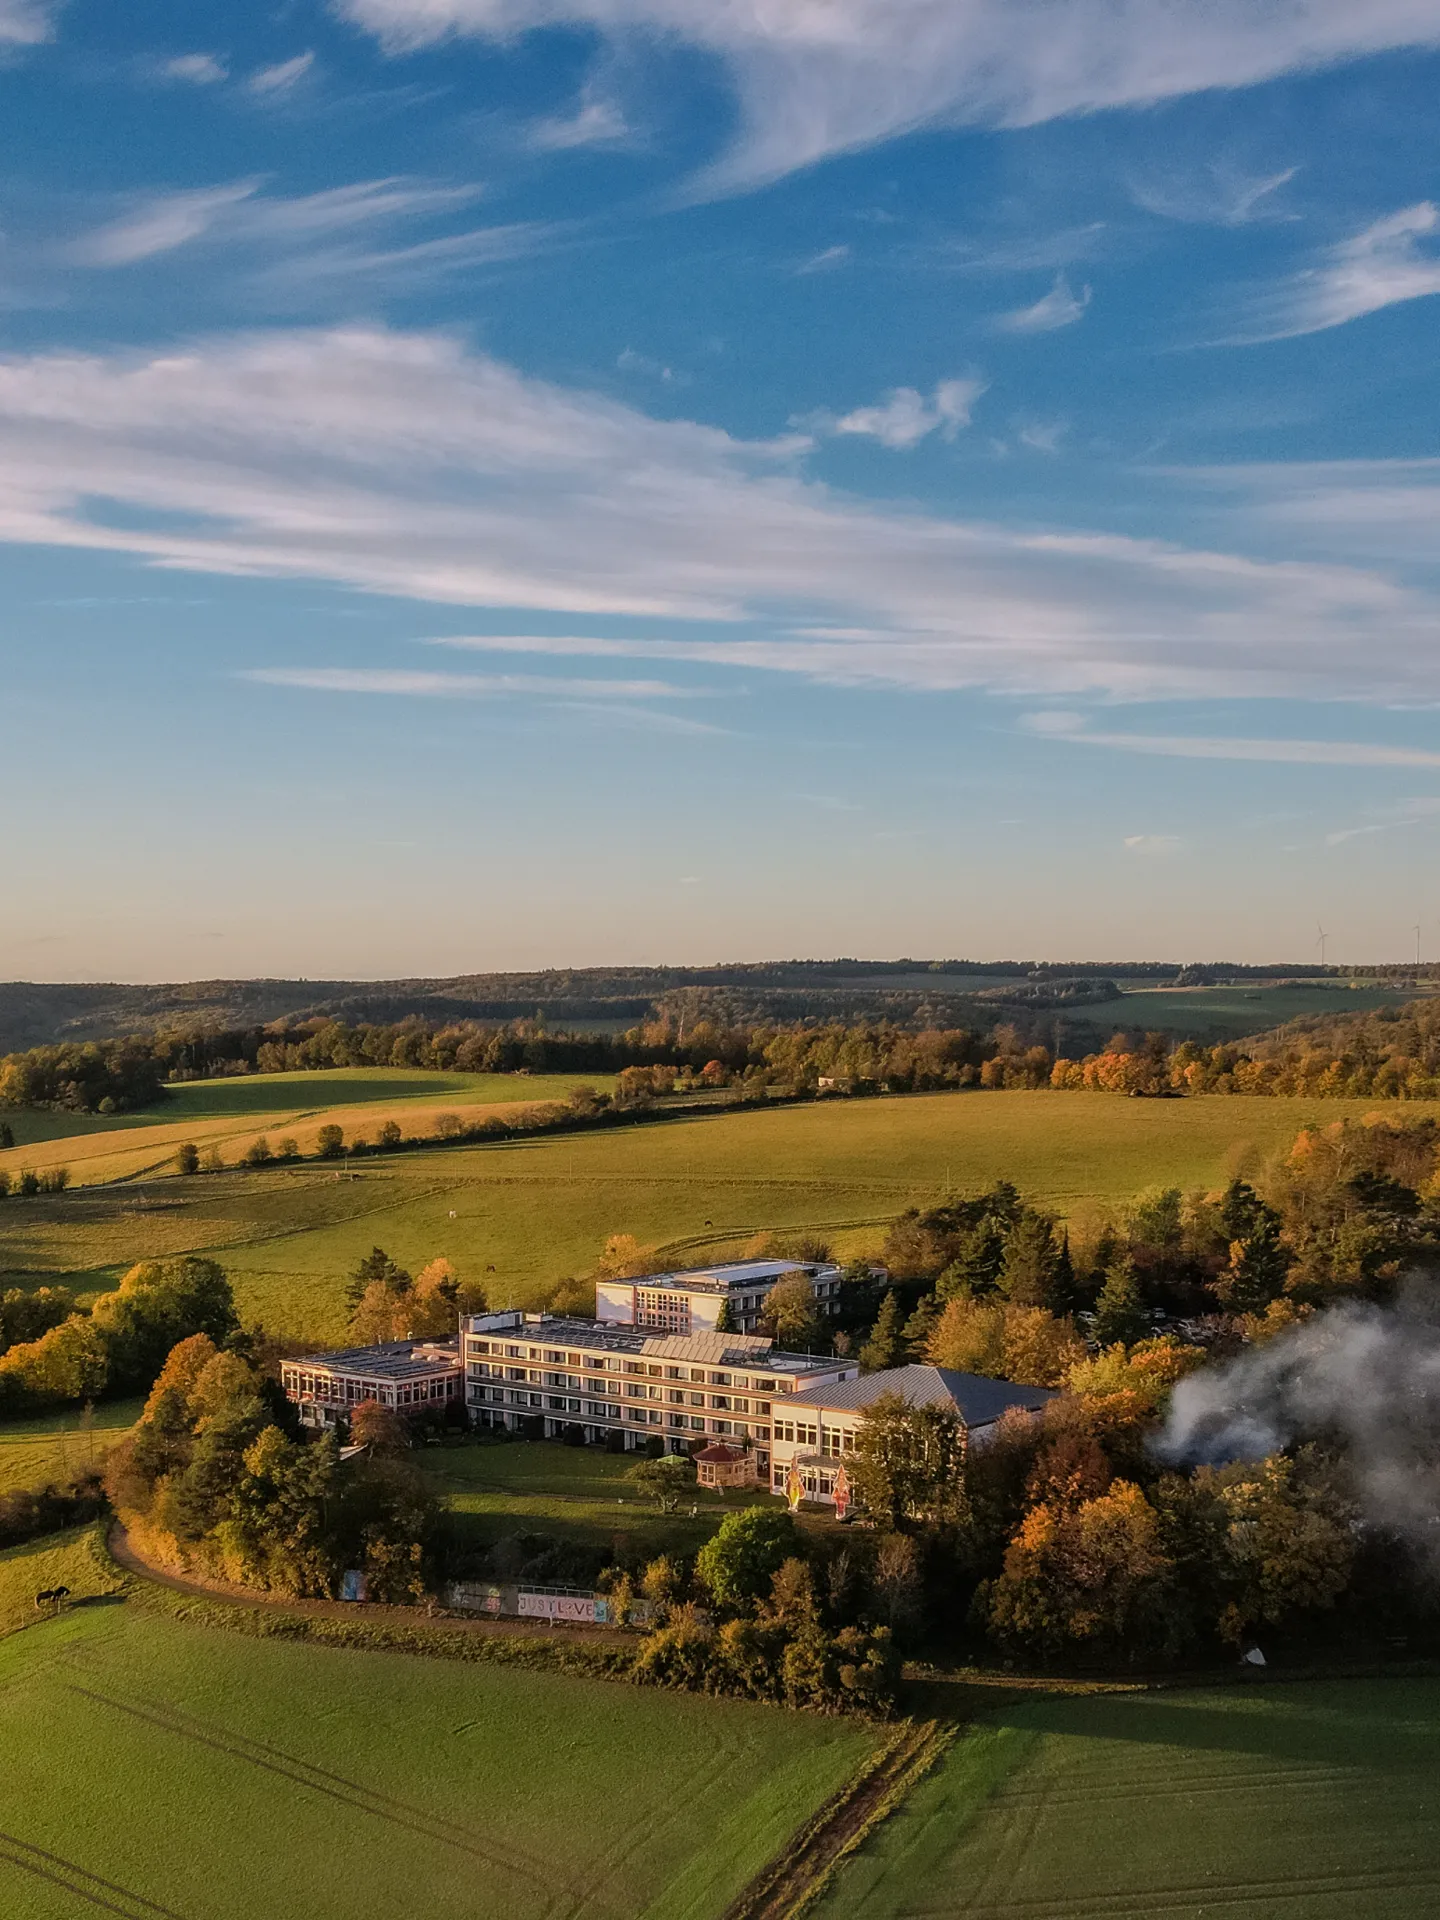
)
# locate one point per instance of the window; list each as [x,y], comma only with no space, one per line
[555,1359]
[479,1346]
[515,1353]
[697,1373]
[830,1443]
[677,1398]
[719,1379]
[849,1440]
[697,1399]
[534,1353]
[633,1366]
[656,1373]
[594,1360]
[674,1373]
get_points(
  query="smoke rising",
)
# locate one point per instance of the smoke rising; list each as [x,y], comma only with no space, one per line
[1365,1377]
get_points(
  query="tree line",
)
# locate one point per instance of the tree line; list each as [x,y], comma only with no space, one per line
[1390,1054]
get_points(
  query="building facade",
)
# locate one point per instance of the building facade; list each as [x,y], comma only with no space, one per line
[690,1301]
[818,1428]
[542,1373]
[407,1375]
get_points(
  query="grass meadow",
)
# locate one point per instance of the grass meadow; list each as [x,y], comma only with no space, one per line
[1276,1802]
[1229,1013]
[329,1782]
[579,1496]
[229,1114]
[60,1445]
[523,1214]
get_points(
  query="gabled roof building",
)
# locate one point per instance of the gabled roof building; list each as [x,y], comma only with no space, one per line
[819,1426]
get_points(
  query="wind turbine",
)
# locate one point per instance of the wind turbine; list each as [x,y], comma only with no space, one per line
[1416,931]
[1320,943]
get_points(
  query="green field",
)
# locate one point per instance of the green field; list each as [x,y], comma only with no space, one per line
[1230,1013]
[523,1214]
[150,1767]
[1301,1802]
[55,1560]
[229,1114]
[58,1446]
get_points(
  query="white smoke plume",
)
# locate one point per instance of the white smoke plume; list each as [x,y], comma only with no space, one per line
[1364,1377]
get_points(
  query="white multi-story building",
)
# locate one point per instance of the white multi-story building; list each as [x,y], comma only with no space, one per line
[690,1301]
[819,1428]
[541,1373]
[407,1375]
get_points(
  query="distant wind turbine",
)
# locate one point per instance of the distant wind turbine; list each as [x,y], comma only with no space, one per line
[1320,943]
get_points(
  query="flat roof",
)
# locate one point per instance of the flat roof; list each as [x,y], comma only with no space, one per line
[745,1352]
[726,1276]
[390,1360]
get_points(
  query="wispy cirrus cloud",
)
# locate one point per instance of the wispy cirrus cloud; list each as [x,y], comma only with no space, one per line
[269,82]
[404,464]
[1392,260]
[1218,195]
[905,416]
[1185,746]
[239,215]
[421,685]
[820,80]
[1059,308]
[597,121]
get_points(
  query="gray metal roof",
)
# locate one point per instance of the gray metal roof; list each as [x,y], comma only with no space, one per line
[389,1360]
[978,1401]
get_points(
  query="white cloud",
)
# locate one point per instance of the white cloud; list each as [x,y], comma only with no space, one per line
[826,261]
[282,77]
[200,69]
[818,79]
[160,225]
[1185,746]
[240,213]
[1388,508]
[596,122]
[1220,196]
[26,23]
[1058,308]
[1043,436]
[404,464]
[450,686]
[1153,845]
[1384,264]
[905,417]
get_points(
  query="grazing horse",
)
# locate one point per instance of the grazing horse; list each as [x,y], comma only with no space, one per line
[52,1597]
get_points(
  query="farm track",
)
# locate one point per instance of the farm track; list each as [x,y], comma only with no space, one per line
[125,1556]
[788,1884]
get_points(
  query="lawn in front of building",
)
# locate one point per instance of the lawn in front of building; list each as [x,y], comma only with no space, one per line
[579,1497]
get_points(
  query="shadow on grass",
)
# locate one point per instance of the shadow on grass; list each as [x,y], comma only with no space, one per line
[1387,1725]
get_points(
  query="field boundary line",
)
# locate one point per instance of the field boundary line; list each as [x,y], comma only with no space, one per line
[787,1885]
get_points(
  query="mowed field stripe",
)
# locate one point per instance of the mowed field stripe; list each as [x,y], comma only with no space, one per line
[335,1786]
[1204,1896]
[108,1895]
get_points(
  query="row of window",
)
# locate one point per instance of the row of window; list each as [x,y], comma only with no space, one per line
[326,1386]
[603,1410]
[644,1369]
[574,1383]
[830,1440]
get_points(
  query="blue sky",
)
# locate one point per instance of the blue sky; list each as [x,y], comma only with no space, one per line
[497,483]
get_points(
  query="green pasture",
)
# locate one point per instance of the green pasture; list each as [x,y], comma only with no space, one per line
[274,1095]
[58,1446]
[578,1496]
[1229,1013]
[523,1214]
[1275,1802]
[325,1782]
[56,1560]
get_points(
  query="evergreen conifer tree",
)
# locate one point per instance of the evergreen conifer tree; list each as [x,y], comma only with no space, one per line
[1120,1316]
[885,1347]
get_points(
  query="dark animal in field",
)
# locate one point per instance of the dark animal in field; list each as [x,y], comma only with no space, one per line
[52,1596]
